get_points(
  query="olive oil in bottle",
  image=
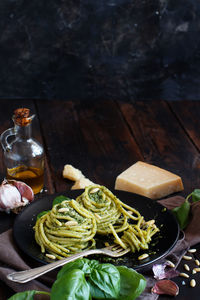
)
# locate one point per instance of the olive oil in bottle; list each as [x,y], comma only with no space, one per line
[34,177]
[23,155]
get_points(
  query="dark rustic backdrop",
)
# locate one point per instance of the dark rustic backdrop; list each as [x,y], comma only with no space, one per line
[94,49]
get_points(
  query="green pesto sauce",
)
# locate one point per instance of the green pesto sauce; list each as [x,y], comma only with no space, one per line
[97,197]
[71,212]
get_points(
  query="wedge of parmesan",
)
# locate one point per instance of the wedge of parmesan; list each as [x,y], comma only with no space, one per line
[81,183]
[72,173]
[149,181]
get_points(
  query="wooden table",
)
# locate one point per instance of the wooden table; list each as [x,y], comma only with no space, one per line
[104,138]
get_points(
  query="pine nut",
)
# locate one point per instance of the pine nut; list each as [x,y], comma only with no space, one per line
[170,264]
[186,267]
[192,283]
[71,223]
[197,269]
[197,262]
[186,257]
[194,271]
[63,209]
[50,256]
[143,256]
[184,275]
[192,250]
[106,244]
[94,190]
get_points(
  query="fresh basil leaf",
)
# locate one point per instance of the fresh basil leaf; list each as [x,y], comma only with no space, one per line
[182,214]
[27,295]
[104,281]
[60,199]
[132,284]
[93,263]
[195,195]
[71,286]
[42,213]
[82,264]
[97,293]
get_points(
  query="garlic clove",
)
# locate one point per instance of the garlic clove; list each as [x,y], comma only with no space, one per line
[14,194]
[160,271]
[166,287]
[10,197]
[25,190]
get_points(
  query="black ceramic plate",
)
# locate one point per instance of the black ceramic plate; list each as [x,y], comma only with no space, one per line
[162,242]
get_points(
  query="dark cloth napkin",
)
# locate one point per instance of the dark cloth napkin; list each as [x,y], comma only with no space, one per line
[11,259]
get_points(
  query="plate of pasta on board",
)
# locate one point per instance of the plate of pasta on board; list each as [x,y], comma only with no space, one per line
[60,225]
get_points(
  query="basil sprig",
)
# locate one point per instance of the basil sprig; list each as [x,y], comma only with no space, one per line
[86,279]
[182,212]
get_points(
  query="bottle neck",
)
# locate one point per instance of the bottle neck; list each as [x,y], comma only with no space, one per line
[23,132]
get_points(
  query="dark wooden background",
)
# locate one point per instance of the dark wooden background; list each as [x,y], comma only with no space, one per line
[103,138]
[106,49]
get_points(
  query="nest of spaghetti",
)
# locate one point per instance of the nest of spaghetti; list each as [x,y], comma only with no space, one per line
[68,228]
[72,225]
[114,217]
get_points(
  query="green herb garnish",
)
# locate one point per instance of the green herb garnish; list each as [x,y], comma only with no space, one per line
[86,279]
[60,199]
[182,212]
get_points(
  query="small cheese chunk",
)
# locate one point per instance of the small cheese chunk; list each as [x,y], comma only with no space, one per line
[81,183]
[149,181]
[72,173]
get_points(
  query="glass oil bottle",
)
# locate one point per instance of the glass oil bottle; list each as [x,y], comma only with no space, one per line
[24,156]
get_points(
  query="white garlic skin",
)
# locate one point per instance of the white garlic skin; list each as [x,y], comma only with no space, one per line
[13,195]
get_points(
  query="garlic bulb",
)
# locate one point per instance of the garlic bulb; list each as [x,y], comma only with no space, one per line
[14,194]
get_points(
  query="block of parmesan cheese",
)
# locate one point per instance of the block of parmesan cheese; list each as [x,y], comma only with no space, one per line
[149,181]
[72,173]
[81,183]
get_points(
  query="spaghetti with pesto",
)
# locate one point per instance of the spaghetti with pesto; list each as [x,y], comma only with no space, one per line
[113,217]
[66,229]
[71,226]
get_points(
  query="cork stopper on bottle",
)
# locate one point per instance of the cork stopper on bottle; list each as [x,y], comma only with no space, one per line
[22,116]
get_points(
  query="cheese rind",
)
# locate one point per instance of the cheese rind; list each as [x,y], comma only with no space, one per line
[149,181]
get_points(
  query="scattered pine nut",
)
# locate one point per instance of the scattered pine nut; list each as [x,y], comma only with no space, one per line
[63,209]
[184,275]
[71,223]
[186,257]
[192,250]
[194,271]
[50,256]
[143,256]
[197,269]
[186,267]
[170,264]
[192,283]
[106,244]
[197,262]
